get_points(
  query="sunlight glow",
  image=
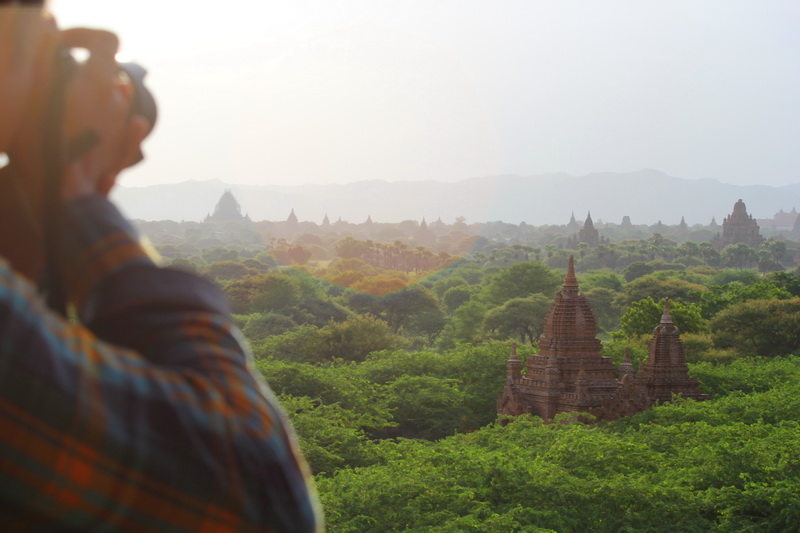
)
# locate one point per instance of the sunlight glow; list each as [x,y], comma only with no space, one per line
[331,92]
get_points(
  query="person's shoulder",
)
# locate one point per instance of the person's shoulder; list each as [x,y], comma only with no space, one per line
[12,282]
[6,270]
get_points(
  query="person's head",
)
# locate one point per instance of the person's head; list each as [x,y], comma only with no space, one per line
[27,38]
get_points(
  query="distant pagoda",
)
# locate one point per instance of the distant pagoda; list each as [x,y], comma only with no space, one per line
[739,227]
[227,210]
[587,234]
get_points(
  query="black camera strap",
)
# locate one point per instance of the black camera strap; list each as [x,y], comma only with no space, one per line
[54,158]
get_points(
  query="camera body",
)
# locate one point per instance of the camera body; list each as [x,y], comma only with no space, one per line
[56,154]
[142,102]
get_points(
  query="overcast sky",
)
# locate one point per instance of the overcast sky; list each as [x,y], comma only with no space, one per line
[329,91]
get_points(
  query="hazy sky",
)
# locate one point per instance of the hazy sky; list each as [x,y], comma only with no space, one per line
[298,92]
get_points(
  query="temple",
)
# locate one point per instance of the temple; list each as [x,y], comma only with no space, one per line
[227,210]
[570,375]
[424,235]
[739,227]
[587,234]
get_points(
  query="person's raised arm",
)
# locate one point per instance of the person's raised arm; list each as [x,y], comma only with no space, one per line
[149,416]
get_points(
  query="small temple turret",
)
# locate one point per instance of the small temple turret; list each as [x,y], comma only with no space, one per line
[551,370]
[626,367]
[514,365]
[665,373]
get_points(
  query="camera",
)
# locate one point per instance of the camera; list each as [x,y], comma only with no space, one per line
[55,155]
[142,101]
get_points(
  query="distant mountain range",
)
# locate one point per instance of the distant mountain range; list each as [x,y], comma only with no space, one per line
[646,196]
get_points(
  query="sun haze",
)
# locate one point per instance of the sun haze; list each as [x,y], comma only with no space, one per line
[332,92]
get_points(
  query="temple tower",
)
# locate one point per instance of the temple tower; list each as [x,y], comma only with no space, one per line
[572,226]
[227,210]
[570,327]
[589,233]
[424,235]
[665,373]
[568,348]
[739,227]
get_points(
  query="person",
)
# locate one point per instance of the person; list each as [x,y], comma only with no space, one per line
[142,411]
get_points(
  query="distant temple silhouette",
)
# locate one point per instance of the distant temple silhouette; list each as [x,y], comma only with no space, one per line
[572,226]
[783,220]
[587,234]
[738,227]
[227,210]
[569,373]
[424,235]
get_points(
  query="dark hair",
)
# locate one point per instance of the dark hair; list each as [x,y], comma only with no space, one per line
[39,3]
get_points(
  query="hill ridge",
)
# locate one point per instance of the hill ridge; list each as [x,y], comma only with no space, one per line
[646,196]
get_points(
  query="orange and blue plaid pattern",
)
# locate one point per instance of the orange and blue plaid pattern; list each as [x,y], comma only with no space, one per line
[145,417]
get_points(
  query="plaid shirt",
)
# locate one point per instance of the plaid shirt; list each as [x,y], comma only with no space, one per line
[148,417]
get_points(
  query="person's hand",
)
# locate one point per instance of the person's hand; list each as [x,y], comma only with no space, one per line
[97,105]
[97,101]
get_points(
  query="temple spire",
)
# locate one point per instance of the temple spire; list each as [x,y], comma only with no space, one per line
[571,282]
[666,318]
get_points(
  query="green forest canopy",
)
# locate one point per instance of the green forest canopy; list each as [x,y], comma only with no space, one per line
[390,360]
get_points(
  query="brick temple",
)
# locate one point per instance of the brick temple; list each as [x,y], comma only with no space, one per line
[569,373]
[738,227]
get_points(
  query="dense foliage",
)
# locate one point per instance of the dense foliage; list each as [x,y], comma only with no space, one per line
[389,355]
[729,464]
